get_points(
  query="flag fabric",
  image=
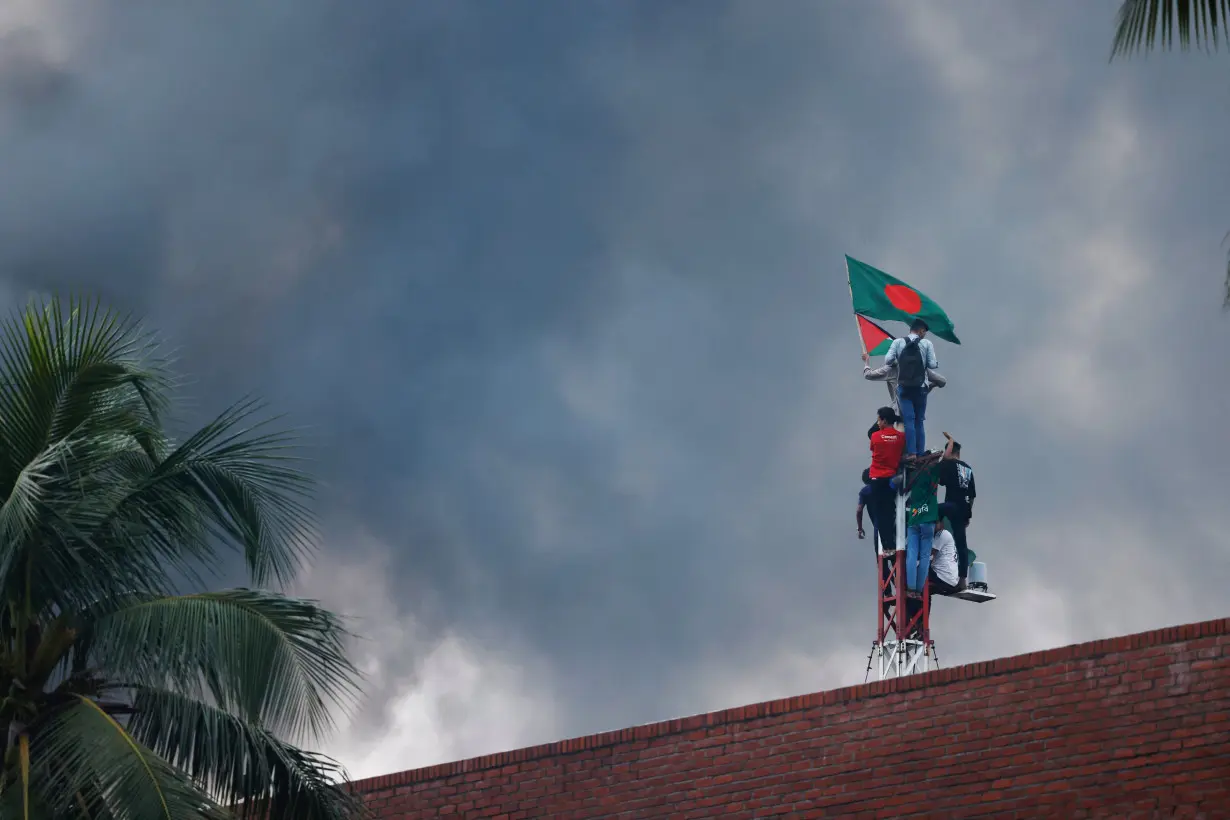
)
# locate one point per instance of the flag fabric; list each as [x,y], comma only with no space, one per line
[875,338]
[880,296]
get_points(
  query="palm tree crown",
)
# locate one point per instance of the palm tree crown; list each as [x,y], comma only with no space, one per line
[127,692]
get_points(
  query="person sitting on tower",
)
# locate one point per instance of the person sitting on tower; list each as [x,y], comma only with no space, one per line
[943,574]
[958,505]
[887,444]
[913,356]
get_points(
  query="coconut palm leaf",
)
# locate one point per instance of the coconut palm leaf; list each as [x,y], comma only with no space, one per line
[237,759]
[240,483]
[1140,22]
[122,697]
[78,390]
[60,365]
[274,661]
[83,759]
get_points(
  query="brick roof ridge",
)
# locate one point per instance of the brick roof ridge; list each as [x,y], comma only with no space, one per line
[981,669]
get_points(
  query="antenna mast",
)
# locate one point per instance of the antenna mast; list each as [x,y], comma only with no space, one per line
[903,644]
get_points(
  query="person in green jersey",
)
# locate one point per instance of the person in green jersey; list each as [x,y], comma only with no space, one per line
[921,513]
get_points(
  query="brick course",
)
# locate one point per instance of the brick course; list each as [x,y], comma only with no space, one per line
[1130,727]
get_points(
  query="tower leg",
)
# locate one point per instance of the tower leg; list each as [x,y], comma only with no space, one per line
[899,562]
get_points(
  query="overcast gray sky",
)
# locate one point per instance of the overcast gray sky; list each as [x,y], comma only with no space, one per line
[560,287]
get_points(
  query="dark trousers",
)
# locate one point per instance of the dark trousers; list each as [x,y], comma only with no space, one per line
[958,517]
[883,508]
[938,587]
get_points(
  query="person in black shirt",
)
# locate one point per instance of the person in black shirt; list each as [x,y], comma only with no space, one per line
[958,506]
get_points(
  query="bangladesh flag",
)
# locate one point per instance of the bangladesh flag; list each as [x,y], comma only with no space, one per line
[875,338]
[880,296]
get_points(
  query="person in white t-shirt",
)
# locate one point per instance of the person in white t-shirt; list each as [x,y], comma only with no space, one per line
[943,572]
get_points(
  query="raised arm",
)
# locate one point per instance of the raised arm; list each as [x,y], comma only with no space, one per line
[879,374]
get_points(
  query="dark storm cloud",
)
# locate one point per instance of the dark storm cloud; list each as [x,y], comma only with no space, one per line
[560,289]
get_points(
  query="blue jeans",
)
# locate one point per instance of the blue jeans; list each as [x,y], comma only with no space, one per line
[918,554]
[913,402]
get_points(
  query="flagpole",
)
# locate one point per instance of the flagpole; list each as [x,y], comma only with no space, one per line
[892,394]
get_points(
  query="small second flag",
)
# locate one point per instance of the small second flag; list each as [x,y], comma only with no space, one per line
[876,339]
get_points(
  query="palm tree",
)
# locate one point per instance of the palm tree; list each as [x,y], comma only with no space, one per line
[1203,22]
[127,691]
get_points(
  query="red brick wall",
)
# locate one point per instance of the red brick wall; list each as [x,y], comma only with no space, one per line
[1130,727]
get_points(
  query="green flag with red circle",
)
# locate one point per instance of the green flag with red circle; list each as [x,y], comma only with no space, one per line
[880,296]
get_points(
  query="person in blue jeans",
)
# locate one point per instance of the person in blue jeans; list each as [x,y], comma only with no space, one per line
[922,510]
[913,356]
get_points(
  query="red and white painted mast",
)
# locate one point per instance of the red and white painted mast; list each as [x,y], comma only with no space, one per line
[903,644]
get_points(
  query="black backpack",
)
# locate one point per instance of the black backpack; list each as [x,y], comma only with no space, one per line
[911,370]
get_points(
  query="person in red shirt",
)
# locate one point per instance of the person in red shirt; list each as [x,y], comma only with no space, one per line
[887,445]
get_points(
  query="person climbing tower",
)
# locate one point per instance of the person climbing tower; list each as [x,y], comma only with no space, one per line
[888,373]
[922,511]
[864,499]
[913,356]
[958,505]
[887,444]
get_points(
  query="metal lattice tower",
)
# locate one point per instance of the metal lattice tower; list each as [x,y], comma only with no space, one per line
[903,644]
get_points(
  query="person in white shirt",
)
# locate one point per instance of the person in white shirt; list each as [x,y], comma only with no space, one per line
[943,572]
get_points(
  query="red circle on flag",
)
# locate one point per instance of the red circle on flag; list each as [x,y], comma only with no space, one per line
[903,298]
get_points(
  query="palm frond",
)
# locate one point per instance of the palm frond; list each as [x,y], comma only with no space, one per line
[82,755]
[58,362]
[102,518]
[82,388]
[237,480]
[240,764]
[1141,22]
[50,557]
[274,661]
